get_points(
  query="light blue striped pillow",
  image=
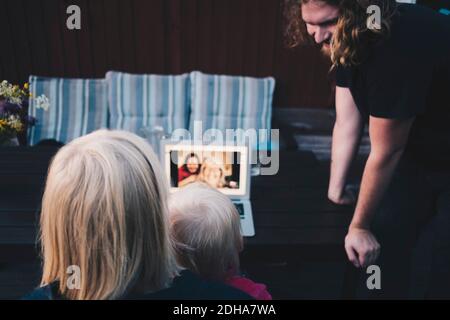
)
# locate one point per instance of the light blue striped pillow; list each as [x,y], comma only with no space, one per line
[142,101]
[231,102]
[77,107]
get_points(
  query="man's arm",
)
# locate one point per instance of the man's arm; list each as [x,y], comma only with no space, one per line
[388,139]
[346,138]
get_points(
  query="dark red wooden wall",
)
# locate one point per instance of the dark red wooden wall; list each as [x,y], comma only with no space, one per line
[238,37]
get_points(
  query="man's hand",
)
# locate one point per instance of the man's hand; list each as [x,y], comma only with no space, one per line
[362,247]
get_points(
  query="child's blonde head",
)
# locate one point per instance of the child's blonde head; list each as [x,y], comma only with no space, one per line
[105,211]
[206,228]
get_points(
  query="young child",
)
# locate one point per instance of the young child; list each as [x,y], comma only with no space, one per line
[206,228]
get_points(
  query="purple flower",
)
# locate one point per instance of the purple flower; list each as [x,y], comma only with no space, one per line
[9,108]
[12,108]
[2,106]
[25,104]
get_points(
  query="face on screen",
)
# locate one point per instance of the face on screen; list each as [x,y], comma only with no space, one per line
[193,165]
[218,169]
[212,175]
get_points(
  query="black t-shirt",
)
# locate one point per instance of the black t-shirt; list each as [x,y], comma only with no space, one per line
[187,286]
[408,75]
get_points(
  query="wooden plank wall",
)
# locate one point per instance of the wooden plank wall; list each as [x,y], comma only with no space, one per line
[237,37]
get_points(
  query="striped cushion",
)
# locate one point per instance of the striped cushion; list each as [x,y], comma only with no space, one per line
[228,102]
[141,101]
[77,107]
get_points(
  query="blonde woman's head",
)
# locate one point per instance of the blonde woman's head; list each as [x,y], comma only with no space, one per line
[212,173]
[206,228]
[104,210]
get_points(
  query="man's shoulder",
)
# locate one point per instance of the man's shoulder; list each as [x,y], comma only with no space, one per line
[415,32]
[420,27]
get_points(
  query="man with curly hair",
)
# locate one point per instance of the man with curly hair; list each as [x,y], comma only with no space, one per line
[396,77]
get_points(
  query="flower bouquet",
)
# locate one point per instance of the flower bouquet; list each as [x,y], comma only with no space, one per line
[14,118]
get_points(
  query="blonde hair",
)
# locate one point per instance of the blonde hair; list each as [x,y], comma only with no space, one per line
[206,228]
[206,167]
[104,210]
[352,40]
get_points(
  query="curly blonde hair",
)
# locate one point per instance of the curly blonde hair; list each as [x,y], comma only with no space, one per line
[352,39]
